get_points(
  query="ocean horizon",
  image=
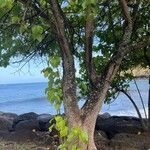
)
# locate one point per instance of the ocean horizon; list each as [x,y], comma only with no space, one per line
[21,98]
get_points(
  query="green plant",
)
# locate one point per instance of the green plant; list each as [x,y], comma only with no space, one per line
[70,137]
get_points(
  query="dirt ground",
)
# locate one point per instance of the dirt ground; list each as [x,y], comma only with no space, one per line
[140,141]
[124,141]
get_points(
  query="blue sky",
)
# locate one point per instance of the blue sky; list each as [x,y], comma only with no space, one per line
[27,74]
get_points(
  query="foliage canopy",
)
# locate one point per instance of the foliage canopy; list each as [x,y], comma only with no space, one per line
[27,29]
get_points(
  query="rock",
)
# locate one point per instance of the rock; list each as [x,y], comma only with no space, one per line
[6,120]
[102,117]
[26,116]
[115,125]
[44,117]
[101,134]
[31,125]
[43,120]
[5,123]
[10,116]
[105,115]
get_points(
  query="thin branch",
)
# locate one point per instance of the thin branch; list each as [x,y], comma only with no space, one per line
[142,101]
[135,106]
[38,10]
[132,101]
[27,61]
[61,27]
[139,45]
[128,19]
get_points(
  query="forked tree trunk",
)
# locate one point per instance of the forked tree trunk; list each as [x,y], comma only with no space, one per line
[89,128]
[87,124]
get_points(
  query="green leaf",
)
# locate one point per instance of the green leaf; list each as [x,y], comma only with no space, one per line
[61,124]
[83,137]
[51,128]
[6,3]
[58,118]
[62,147]
[64,132]
[42,2]
[51,97]
[46,73]
[79,148]
[2,3]
[55,61]
[57,106]
[37,32]
[83,86]
[84,4]
[74,147]
[15,19]
[75,131]
[9,4]
[23,28]
[93,2]
[70,138]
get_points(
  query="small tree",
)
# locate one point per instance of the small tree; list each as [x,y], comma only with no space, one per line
[104,37]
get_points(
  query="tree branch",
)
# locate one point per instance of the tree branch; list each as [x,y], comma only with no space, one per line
[128,19]
[135,106]
[89,31]
[37,9]
[112,67]
[61,28]
[69,87]
[137,46]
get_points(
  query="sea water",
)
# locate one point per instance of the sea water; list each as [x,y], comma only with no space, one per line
[30,97]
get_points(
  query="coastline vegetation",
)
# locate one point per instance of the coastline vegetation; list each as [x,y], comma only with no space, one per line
[140,72]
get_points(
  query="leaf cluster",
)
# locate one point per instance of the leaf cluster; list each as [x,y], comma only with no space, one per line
[71,137]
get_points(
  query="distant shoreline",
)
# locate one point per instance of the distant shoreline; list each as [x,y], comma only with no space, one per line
[140,72]
[144,77]
[44,82]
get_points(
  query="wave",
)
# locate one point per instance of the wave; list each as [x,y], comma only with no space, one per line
[23,100]
[126,112]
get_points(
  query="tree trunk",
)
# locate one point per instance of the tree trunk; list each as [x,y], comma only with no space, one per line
[89,128]
[87,124]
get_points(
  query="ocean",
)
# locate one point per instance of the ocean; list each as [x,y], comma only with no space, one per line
[30,97]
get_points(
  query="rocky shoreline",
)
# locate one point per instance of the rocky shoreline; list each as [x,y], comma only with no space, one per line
[33,127]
